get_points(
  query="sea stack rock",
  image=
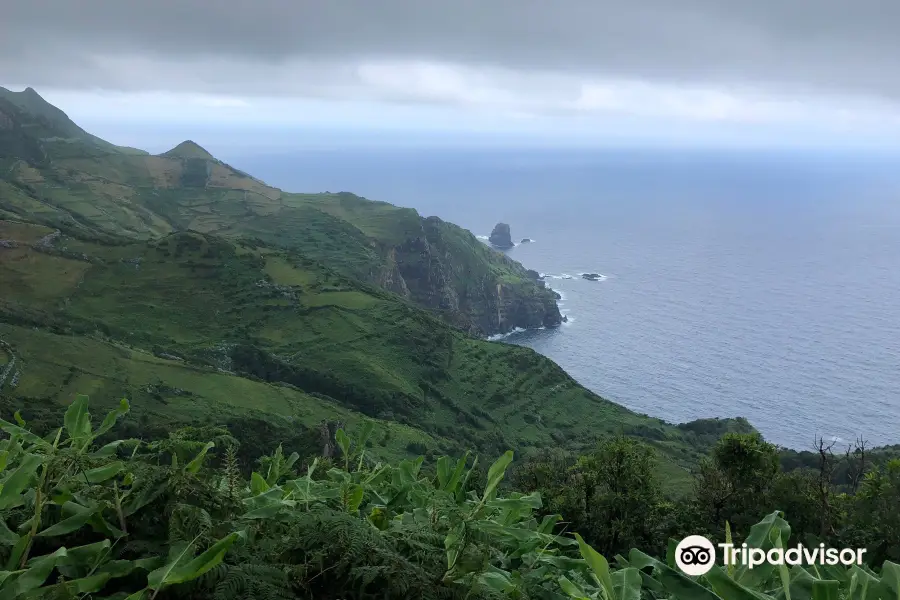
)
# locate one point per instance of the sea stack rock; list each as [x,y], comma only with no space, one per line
[500,237]
[525,241]
[592,276]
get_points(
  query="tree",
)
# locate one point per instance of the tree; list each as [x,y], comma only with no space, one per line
[736,483]
[622,496]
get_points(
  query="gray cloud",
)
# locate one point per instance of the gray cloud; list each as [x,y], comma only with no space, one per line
[242,47]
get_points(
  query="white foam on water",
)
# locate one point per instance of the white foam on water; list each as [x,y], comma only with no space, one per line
[483,237]
[501,336]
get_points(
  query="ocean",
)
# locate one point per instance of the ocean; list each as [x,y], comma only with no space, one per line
[755,284]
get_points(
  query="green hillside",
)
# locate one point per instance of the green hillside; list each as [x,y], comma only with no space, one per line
[83,185]
[205,296]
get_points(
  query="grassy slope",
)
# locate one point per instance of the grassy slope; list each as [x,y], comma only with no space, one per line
[357,348]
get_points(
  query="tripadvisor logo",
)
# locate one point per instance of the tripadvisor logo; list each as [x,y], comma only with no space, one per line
[695,555]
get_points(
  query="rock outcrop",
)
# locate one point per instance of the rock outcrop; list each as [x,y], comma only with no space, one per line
[501,237]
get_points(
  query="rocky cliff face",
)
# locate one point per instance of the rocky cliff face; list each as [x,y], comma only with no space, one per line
[445,268]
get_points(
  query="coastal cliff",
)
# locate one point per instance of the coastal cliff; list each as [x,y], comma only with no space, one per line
[446,269]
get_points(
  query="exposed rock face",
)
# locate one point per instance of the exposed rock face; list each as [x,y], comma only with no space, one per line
[445,268]
[500,237]
[526,241]
[591,276]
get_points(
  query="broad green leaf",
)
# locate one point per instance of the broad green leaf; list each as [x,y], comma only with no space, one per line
[267,504]
[36,574]
[519,502]
[460,491]
[365,431]
[77,422]
[571,589]
[598,565]
[548,523]
[144,496]
[15,430]
[12,487]
[627,584]
[728,540]
[801,583]
[670,552]
[15,555]
[825,589]
[354,498]
[783,571]
[860,583]
[197,461]
[289,463]
[497,581]
[343,442]
[80,516]
[457,474]
[258,484]
[453,544]
[495,475]
[677,585]
[108,450]
[82,558]
[443,472]
[112,417]
[84,585]
[173,572]
[7,536]
[104,473]
[726,587]
[268,511]
[890,578]
[763,535]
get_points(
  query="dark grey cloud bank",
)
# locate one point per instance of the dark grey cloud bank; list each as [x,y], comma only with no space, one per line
[845,46]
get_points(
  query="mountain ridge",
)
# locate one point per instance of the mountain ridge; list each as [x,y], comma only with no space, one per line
[142,196]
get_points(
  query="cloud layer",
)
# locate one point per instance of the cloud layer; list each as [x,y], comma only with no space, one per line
[765,60]
[849,46]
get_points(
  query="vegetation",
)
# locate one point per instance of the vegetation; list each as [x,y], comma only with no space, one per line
[190,326]
[85,516]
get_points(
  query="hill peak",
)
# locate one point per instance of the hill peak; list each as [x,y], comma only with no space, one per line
[33,103]
[189,149]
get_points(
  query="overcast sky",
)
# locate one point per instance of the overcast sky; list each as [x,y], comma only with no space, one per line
[751,71]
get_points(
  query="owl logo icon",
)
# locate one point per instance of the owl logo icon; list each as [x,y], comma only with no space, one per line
[695,555]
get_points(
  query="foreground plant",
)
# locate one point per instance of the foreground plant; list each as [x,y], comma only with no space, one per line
[642,574]
[65,511]
[130,520]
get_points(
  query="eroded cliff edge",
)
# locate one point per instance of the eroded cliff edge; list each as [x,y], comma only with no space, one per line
[445,268]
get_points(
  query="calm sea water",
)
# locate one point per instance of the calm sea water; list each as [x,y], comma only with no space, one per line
[756,285]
